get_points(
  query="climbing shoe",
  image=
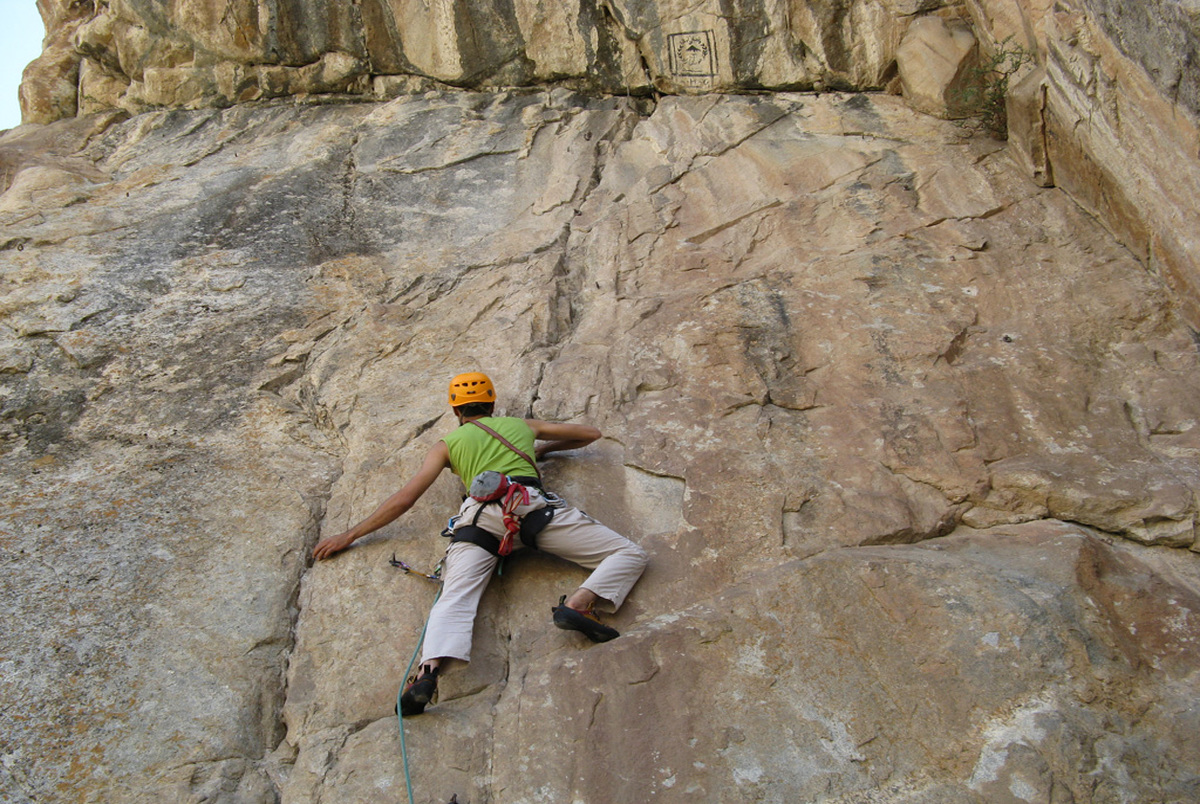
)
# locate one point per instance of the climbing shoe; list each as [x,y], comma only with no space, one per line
[570,619]
[419,693]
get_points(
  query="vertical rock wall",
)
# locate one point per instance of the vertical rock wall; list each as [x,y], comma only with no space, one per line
[911,441]
[1122,134]
[910,436]
[1113,118]
[143,54]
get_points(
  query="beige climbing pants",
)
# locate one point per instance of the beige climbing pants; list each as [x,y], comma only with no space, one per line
[616,564]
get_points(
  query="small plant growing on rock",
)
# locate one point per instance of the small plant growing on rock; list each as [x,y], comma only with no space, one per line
[981,100]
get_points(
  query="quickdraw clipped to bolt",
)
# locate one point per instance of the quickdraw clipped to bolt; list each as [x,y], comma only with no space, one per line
[436,577]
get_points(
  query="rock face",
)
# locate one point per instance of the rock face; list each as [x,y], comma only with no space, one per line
[139,54]
[908,437]
[935,61]
[1111,114]
[1126,150]
[1114,118]
[906,424]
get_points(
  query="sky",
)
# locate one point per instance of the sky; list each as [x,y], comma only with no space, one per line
[21,35]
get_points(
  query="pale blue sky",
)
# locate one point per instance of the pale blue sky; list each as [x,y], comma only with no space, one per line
[21,35]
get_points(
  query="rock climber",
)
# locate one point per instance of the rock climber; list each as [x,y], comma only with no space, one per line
[496,459]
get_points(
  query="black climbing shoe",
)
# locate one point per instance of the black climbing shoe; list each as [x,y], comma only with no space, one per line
[420,693]
[570,619]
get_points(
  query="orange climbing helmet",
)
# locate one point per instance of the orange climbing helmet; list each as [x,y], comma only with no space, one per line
[471,387]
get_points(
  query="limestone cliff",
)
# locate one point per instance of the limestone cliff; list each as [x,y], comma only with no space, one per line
[909,431]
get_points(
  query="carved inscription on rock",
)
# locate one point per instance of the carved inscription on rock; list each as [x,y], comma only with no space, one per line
[692,57]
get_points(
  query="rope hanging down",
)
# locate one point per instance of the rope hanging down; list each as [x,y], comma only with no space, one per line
[434,577]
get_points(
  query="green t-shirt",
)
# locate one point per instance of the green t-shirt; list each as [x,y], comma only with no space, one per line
[474,450]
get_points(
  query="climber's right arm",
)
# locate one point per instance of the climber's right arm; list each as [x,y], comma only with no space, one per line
[559,436]
[393,507]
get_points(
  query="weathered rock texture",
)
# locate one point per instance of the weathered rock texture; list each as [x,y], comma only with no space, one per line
[910,434]
[937,62]
[819,331]
[1110,112]
[136,54]
[1115,118]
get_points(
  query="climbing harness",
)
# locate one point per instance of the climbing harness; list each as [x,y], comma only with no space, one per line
[511,494]
[493,487]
